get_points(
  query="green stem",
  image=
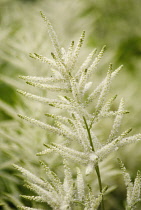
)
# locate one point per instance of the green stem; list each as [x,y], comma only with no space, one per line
[100,185]
[96,167]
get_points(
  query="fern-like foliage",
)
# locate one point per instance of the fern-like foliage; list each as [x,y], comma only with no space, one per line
[78,126]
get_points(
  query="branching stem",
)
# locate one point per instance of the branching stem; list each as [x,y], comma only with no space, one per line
[96,167]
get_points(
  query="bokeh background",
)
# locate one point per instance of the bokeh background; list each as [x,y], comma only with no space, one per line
[115,23]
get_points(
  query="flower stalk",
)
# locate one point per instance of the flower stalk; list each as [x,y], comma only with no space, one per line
[97,166]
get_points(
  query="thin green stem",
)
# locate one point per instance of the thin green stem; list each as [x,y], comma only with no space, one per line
[100,185]
[96,167]
[89,134]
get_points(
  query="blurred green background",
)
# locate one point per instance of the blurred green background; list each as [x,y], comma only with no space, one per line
[115,23]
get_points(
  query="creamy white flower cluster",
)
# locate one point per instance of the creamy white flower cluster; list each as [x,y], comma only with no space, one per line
[60,196]
[133,189]
[75,95]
